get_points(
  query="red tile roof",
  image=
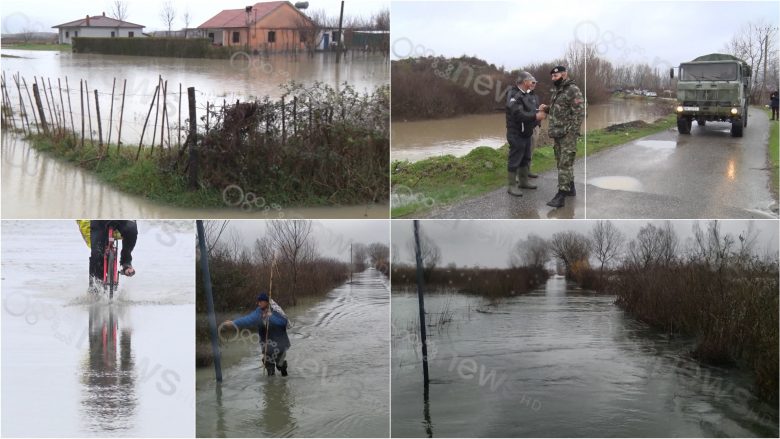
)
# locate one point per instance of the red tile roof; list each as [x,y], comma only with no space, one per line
[230,18]
[98,21]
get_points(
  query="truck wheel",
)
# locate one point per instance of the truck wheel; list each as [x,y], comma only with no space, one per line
[684,125]
[744,119]
[736,128]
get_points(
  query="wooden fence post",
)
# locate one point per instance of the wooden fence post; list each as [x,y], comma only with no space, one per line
[192,140]
[39,104]
[99,123]
[121,113]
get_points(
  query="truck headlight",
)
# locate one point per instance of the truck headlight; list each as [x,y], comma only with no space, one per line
[679,109]
[734,111]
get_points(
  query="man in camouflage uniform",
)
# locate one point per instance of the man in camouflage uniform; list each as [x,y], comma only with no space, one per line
[567,108]
[522,116]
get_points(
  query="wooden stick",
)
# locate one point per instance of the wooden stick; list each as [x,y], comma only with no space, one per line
[62,105]
[178,135]
[157,113]
[21,104]
[81,97]
[29,98]
[54,105]
[89,112]
[111,116]
[164,114]
[46,97]
[121,113]
[143,131]
[39,105]
[70,110]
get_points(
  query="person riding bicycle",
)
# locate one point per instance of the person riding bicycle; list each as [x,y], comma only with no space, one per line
[271,322]
[95,233]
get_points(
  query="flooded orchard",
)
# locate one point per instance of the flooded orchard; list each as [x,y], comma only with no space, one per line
[338,383]
[93,367]
[559,361]
[418,140]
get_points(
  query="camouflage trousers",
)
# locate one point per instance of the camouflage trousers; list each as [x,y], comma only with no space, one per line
[565,152]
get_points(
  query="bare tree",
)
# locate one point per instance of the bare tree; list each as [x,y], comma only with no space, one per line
[755,43]
[570,248]
[379,254]
[291,240]
[119,10]
[27,34]
[382,19]
[430,253]
[606,241]
[654,245]
[359,256]
[168,14]
[187,19]
[533,251]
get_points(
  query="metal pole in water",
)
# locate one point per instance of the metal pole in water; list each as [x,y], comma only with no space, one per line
[204,264]
[418,257]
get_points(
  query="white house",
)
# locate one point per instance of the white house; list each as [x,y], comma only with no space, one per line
[98,26]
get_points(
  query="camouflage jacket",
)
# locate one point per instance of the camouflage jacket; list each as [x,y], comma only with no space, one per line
[567,109]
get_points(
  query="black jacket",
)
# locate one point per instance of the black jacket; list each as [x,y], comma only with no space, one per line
[521,111]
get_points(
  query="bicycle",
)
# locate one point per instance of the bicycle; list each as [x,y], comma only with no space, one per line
[110,279]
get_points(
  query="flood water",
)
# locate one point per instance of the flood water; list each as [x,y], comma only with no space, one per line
[338,383]
[418,140]
[559,362]
[215,80]
[33,185]
[78,365]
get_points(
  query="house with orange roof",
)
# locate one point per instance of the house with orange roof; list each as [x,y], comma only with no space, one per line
[275,26]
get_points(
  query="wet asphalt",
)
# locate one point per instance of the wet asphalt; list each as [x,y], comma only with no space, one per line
[707,174]
[532,205]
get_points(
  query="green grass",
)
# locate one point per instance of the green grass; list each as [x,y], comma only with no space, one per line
[774,152]
[143,177]
[448,179]
[38,46]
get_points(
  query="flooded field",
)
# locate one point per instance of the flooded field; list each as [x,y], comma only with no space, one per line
[559,362]
[418,140]
[33,185]
[92,367]
[338,363]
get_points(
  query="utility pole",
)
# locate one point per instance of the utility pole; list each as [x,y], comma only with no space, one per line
[421,302]
[341,34]
[204,263]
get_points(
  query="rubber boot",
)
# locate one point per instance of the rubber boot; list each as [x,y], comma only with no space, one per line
[512,188]
[283,368]
[531,174]
[523,173]
[572,190]
[558,201]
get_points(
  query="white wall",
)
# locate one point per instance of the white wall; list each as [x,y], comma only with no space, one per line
[97,32]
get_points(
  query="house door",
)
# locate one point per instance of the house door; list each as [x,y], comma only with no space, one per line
[325,42]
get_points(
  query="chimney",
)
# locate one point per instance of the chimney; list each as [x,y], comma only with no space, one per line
[87,20]
[104,13]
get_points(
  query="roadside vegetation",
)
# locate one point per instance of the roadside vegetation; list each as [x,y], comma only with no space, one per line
[774,154]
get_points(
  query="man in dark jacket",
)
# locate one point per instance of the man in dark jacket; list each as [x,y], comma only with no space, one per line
[271,323]
[774,101]
[522,117]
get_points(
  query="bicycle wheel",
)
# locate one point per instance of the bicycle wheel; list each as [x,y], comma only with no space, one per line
[111,274]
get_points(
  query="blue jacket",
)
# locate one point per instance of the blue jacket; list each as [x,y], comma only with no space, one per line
[277,328]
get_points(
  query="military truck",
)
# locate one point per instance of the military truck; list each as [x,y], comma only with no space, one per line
[712,88]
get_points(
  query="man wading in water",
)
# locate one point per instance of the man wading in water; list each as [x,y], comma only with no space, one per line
[271,323]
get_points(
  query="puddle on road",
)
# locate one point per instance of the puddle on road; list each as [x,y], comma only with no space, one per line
[617,183]
[657,144]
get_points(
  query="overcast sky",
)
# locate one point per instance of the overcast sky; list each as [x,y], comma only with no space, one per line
[332,236]
[41,15]
[488,243]
[514,34]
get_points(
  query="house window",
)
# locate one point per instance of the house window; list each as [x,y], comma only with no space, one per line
[113,34]
[67,34]
[131,34]
[271,36]
[76,34]
[303,37]
[236,37]
[211,36]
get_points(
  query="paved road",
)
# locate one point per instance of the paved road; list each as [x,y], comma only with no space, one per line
[707,174]
[533,203]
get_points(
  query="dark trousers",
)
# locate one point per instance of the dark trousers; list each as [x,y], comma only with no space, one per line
[774,113]
[98,233]
[519,150]
[275,359]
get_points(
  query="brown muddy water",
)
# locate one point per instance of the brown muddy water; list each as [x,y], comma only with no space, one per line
[558,362]
[418,140]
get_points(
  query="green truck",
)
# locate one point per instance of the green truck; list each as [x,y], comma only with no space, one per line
[712,88]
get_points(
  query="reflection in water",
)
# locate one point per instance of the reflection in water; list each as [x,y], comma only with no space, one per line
[278,402]
[731,172]
[108,374]
[427,411]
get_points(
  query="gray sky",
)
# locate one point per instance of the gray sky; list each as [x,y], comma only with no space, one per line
[514,34]
[41,15]
[332,236]
[488,243]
